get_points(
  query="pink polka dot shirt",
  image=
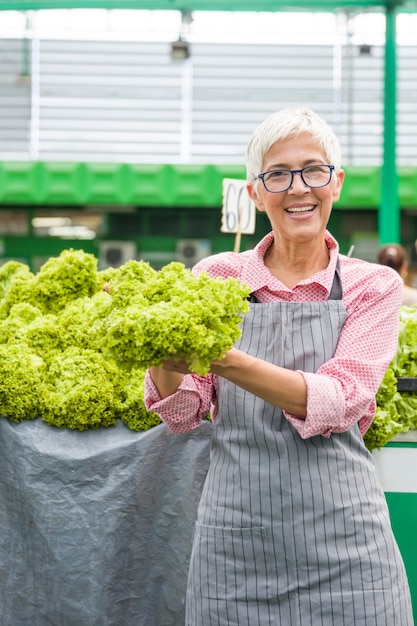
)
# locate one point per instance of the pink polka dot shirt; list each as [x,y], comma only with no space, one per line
[342,391]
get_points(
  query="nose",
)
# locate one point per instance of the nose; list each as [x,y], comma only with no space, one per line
[297,182]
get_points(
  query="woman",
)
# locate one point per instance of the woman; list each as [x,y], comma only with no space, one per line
[395,256]
[293,527]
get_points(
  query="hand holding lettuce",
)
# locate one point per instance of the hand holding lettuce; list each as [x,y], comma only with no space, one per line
[171,314]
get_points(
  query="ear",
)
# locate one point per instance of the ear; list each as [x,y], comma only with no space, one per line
[255,197]
[338,184]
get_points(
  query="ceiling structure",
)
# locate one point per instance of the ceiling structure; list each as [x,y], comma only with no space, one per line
[212,5]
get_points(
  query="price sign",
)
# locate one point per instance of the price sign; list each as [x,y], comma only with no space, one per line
[238,211]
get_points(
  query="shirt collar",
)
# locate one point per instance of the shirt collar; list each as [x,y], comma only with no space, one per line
[258,276]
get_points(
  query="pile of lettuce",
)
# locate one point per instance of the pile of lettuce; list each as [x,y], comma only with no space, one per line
[75,342]
[397,411]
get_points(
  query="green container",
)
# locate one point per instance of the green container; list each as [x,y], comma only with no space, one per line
[397,468]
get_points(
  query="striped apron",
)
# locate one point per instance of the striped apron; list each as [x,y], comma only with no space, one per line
[292,532]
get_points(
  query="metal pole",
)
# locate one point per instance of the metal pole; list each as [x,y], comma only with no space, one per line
[389,215]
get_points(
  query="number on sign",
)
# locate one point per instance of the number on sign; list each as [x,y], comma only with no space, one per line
[238,211]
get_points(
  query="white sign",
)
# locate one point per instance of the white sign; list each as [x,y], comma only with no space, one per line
[238,211]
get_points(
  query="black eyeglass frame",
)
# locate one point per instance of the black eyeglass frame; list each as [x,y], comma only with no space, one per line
[292,172]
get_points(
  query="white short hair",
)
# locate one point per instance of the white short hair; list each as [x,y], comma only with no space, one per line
[285,124]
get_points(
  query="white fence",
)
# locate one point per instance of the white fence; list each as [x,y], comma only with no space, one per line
[129,101]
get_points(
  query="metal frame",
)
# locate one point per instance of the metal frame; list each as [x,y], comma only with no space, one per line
[211,5]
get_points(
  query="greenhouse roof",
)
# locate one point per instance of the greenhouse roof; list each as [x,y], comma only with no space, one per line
[212,5]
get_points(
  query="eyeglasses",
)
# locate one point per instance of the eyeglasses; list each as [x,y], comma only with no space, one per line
[313,176]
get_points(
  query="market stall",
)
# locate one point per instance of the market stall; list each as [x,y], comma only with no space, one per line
[98,497]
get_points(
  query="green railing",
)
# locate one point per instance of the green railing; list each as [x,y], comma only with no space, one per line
[80,184]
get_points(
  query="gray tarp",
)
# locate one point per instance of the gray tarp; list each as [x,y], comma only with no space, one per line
[96,527]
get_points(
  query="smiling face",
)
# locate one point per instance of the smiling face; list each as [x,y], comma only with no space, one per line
[300,214]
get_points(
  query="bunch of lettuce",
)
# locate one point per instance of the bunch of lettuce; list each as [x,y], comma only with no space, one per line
[397,411]
[387,421]
[75,354]
[405,366]
[172,314]
[22,374]
[52,328]
[405,360]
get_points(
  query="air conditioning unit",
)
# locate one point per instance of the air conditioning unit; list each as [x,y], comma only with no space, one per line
[115,253]
[190,251]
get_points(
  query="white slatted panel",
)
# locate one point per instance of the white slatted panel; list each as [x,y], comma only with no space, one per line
[361,135]
[236,86]
[109,100]
[127,101]
[407,106]
[15,100]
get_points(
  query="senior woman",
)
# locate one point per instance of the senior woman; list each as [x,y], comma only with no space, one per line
[293,527]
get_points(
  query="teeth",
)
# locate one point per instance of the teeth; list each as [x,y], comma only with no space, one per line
[303,209]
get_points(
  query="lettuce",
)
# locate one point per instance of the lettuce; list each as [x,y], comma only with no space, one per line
[406,405]
[405,360]
[383,428]
[83,321]
[63,279]
[79,392]
[130,407]
[16,286]
[22,376]
[172,314]
[76,342]
[387,421]
[397,411]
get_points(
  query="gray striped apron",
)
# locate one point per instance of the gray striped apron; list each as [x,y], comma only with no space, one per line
[291,532]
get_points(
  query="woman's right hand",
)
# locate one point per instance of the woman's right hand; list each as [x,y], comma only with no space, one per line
[168,376]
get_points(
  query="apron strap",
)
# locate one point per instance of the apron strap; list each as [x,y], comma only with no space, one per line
[336,292]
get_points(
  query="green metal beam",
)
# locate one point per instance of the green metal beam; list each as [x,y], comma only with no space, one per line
[389,211]
[209,5]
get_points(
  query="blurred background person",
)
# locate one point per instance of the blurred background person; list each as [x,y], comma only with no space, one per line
[394,255]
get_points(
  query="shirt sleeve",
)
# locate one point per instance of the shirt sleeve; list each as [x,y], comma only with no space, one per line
[184,410]
[343,390]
